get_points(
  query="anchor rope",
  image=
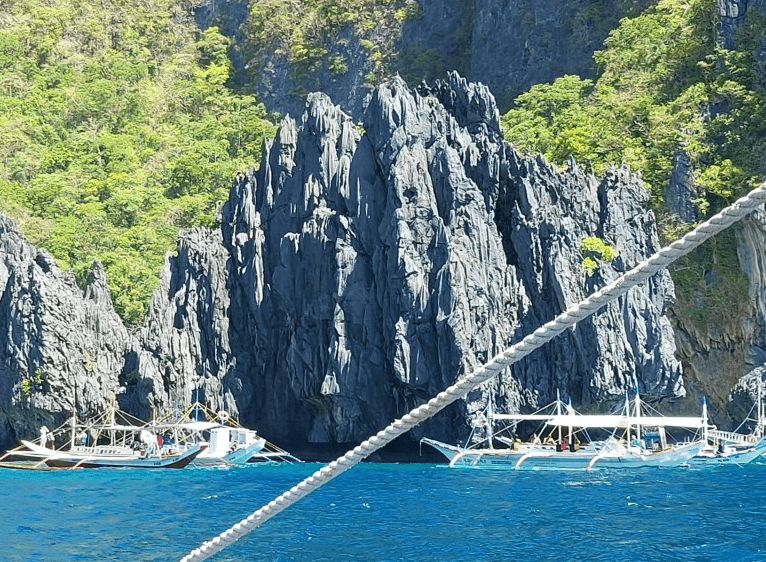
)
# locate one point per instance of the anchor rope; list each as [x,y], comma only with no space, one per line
[494,366]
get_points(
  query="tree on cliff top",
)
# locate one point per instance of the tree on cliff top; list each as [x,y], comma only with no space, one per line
[119,129]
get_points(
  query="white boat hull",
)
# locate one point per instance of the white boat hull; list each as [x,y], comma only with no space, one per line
[547,458]
[737,456]
[240,456]
[103,457]
[636,458]
[530,458]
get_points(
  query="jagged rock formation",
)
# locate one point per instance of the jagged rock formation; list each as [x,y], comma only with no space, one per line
[680,192]
[60,347]
[363,273]
[358,272]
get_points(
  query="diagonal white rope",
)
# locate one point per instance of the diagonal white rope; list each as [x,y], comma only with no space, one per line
[542,335]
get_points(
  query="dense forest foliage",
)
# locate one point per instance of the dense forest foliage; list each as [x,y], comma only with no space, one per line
[664,83]
[118,130]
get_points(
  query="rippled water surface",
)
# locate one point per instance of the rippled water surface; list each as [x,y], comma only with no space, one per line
[388,512]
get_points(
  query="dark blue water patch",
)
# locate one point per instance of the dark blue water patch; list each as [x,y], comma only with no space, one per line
[387,513]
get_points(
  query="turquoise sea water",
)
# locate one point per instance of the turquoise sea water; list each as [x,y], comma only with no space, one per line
[388,512]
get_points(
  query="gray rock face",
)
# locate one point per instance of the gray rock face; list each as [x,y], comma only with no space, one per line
[722,359]
[281,91]
[731,17]
[743,398]
[537,42]
[680,192]
[57,341]
[358,273]
[750,337]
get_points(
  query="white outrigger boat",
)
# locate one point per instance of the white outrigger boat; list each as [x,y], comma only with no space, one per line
[114,439]
[622,449]
[227,443]
[548,452]
[730,447]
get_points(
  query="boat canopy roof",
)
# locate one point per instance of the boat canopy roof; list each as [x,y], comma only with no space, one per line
[522,417]
[592,421]
[192,425]
[110,427]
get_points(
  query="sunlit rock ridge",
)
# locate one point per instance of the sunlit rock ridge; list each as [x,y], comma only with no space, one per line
[362,268]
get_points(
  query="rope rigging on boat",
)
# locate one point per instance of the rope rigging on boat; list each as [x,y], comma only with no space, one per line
[510,434]
[536,339]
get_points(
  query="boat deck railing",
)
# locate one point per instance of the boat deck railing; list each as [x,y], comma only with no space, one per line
[732,437]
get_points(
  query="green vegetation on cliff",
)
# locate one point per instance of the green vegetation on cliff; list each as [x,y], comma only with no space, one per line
[646,101]
[118,130]
[665,84]
[315,34]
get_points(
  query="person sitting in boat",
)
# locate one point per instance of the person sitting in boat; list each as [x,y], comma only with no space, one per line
[168,439]
[535,440]
[575,444]
[548,440]
[516,444]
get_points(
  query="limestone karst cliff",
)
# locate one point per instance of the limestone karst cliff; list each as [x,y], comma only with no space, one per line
[60,347]
[358,271]
[536,41]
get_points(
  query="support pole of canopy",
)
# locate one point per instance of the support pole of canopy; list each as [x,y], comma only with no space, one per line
[497,364]
[490,413]
[558,411]
[627,417]
[74,428]
[638,416]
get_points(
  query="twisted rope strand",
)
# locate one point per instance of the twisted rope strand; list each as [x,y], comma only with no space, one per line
[536,339]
